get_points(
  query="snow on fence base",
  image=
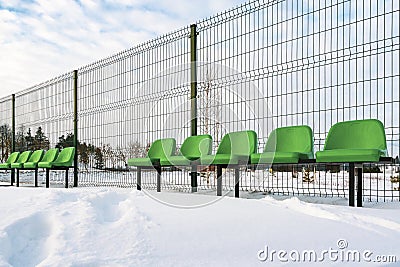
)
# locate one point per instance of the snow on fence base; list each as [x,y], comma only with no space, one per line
[310,180]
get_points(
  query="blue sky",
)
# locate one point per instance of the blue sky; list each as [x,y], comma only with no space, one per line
[41,39]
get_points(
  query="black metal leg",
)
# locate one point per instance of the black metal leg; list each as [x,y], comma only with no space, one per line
[12,176]
[359,187]
[158,169]
[139,179]
[236,182]
[47,178]
[36,177]
[219,180]
[351,184]
[66,178]
[17,177]
[193,176]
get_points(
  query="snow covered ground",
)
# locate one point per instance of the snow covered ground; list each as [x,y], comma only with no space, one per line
[124,227]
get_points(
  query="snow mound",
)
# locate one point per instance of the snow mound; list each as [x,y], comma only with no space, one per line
[122,227]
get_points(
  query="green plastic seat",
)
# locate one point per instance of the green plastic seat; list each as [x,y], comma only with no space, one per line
[192,149]
[234,147]
[354,141]
[158,151]
[11,159]
[287,145]
[24,157]
[47,159]
[64,159]
[33,160]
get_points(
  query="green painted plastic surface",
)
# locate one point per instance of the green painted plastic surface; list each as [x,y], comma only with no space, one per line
[45,164]
[277,157]
[159,150]
[24,157]
[196,146]
[50,155]
[36,156]
[287,145]
[48,158]
[234,146]
[65,158]
[33,160]
[141,162]
[192,149]
[5,165]
[175,161]
[162,148]
[11,159]
[21,159]
[354,141]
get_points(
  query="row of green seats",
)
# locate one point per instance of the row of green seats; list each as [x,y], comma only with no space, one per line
[350,141]
[359,141]
[29,160]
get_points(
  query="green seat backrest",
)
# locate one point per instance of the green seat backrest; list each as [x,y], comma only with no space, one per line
[242,143]
[36,156]
[359,134]
[162,148]
[50,155]
[24,157]
[66,155]
[291,139]
[13,157]
[197,146]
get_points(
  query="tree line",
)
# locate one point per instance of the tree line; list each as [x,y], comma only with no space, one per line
[103,157]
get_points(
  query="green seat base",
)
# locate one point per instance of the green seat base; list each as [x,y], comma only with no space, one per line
[62,164]
[140,162]
[5,165]
[17,165]
[277,157]
[220,159]
[349,155]
[45,164]
[30,165]
[176,161]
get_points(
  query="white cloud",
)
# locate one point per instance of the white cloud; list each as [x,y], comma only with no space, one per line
[42,39]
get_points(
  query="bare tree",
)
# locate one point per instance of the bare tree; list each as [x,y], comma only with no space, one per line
[121,156]
[210,113]
[136,150]
[5,135]
[109,155]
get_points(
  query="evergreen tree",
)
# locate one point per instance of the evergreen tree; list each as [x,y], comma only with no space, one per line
[40,141]
[20,142]
[67,141]
[98,157]
[29,140]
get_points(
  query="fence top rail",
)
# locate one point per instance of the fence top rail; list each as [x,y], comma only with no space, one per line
[63,77]
[233,13]
[148,45]
[5,99]
[154,43]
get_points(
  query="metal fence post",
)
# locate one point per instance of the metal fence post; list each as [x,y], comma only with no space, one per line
[193,95]
[76,128]
[12,134]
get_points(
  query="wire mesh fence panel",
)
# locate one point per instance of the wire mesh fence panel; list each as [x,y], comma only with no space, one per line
[128,101]
[44,120]
[269,64]
[5,134]
[262,65]
[6,128]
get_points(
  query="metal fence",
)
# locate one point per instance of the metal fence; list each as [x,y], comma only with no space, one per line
[261,65]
